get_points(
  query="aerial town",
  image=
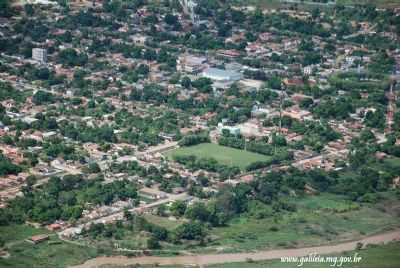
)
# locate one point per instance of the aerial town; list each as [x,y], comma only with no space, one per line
[199,132]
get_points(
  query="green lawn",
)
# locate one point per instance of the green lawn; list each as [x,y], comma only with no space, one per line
[224,155]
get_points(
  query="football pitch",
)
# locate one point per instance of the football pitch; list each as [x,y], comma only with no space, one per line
[224,155]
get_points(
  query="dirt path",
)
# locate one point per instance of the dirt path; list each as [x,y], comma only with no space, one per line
[239,257]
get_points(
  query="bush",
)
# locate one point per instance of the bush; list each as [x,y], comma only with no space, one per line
[153,243]
[274,229]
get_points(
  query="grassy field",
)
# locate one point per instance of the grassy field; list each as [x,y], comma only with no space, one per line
[318,220]
[53,253]
[224,155]
[163,221]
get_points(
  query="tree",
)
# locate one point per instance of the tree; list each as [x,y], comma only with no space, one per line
[197,211]
[306,103]
[278,140]
[143,69]
[190,231]
[5,8]
[128,215]
[186,82]
[162,209]
[171,19]
[275,82]
[7,167]
[94,168]
[29,10]
[150,55]
[178,208]
[153,243]
[71,58]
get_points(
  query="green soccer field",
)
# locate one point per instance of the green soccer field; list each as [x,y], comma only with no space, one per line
[224,155]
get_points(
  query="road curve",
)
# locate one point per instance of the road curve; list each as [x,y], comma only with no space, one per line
[209,259]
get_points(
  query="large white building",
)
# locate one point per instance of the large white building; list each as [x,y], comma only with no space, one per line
[39,54]
[222,78]
[232,130]
[221,75]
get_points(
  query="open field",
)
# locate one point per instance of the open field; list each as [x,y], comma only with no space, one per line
[163,221]
[384,256]
[308,3]
[224,155]
[318,220]
[337,253]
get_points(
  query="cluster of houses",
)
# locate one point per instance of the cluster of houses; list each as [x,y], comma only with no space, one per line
[223,67]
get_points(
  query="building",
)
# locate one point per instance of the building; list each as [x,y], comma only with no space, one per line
[230,53]
[222,75]
[251,128]
[190,64]
[152,193]
[36,239]
[307,70]
[296,113]
[232,130]
[139,39]
[39,54]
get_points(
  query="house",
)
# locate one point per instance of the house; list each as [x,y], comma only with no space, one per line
[229,53]
[265,36]
[190,64]
[36,239]
[152,193]
[296,113]
[54,227]
[293,82]
[49,134]
[12,153]
[139,39]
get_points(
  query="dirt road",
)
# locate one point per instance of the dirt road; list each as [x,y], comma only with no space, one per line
[239,257]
